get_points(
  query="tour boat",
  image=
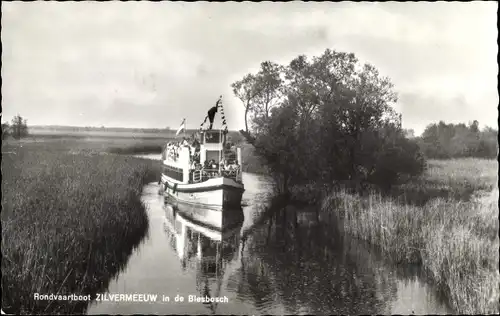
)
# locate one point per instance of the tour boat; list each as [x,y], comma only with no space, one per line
[204,172]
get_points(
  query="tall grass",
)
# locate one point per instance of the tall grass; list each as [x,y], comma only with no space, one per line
[457,179]
[454,238]
[69,223]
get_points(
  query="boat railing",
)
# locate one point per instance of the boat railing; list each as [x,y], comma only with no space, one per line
[231,173]
[210,173]
[197,176]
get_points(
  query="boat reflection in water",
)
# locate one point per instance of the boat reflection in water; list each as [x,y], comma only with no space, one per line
[203,249]
[212,218]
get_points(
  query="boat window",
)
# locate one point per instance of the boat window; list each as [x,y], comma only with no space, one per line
[174,173]
[212,155]
[212,137]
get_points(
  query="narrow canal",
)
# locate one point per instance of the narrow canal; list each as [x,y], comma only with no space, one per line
[272,272]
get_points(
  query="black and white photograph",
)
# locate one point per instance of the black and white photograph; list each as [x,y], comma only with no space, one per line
[249,158]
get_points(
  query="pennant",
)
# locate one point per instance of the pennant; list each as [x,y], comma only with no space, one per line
[211,114]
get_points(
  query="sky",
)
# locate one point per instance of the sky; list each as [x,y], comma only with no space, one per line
[151,64]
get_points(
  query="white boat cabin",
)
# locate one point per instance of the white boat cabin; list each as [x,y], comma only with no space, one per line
[191,161]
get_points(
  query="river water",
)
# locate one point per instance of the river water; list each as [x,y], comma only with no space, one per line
[299,270]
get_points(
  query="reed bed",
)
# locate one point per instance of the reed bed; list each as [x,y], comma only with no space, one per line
[69,223]
[454,238]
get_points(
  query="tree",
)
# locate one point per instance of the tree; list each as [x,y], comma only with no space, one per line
[259,93]
[274,145]
[474,127]
[245,90]
[331,121]
[409,132]
[444,141]
[19,127]
[269,88]
[5,130]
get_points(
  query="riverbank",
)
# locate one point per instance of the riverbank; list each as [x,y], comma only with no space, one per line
[447,222]
[69,222]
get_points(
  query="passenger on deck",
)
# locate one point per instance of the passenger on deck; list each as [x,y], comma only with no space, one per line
[212,164]
[234,165]
[197,157]
[195,143]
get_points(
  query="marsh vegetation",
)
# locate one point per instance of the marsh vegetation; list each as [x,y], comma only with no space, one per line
[70,220]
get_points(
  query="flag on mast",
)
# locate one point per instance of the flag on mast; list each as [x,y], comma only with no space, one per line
[182,127]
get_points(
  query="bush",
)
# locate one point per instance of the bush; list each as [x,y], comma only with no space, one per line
[398,160]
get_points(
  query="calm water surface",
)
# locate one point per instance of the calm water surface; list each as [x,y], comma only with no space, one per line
[298,270]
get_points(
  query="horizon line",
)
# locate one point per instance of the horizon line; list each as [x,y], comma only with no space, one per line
[168,128]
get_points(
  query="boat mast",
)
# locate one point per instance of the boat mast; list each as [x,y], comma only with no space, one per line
[220,152]
[220,136]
